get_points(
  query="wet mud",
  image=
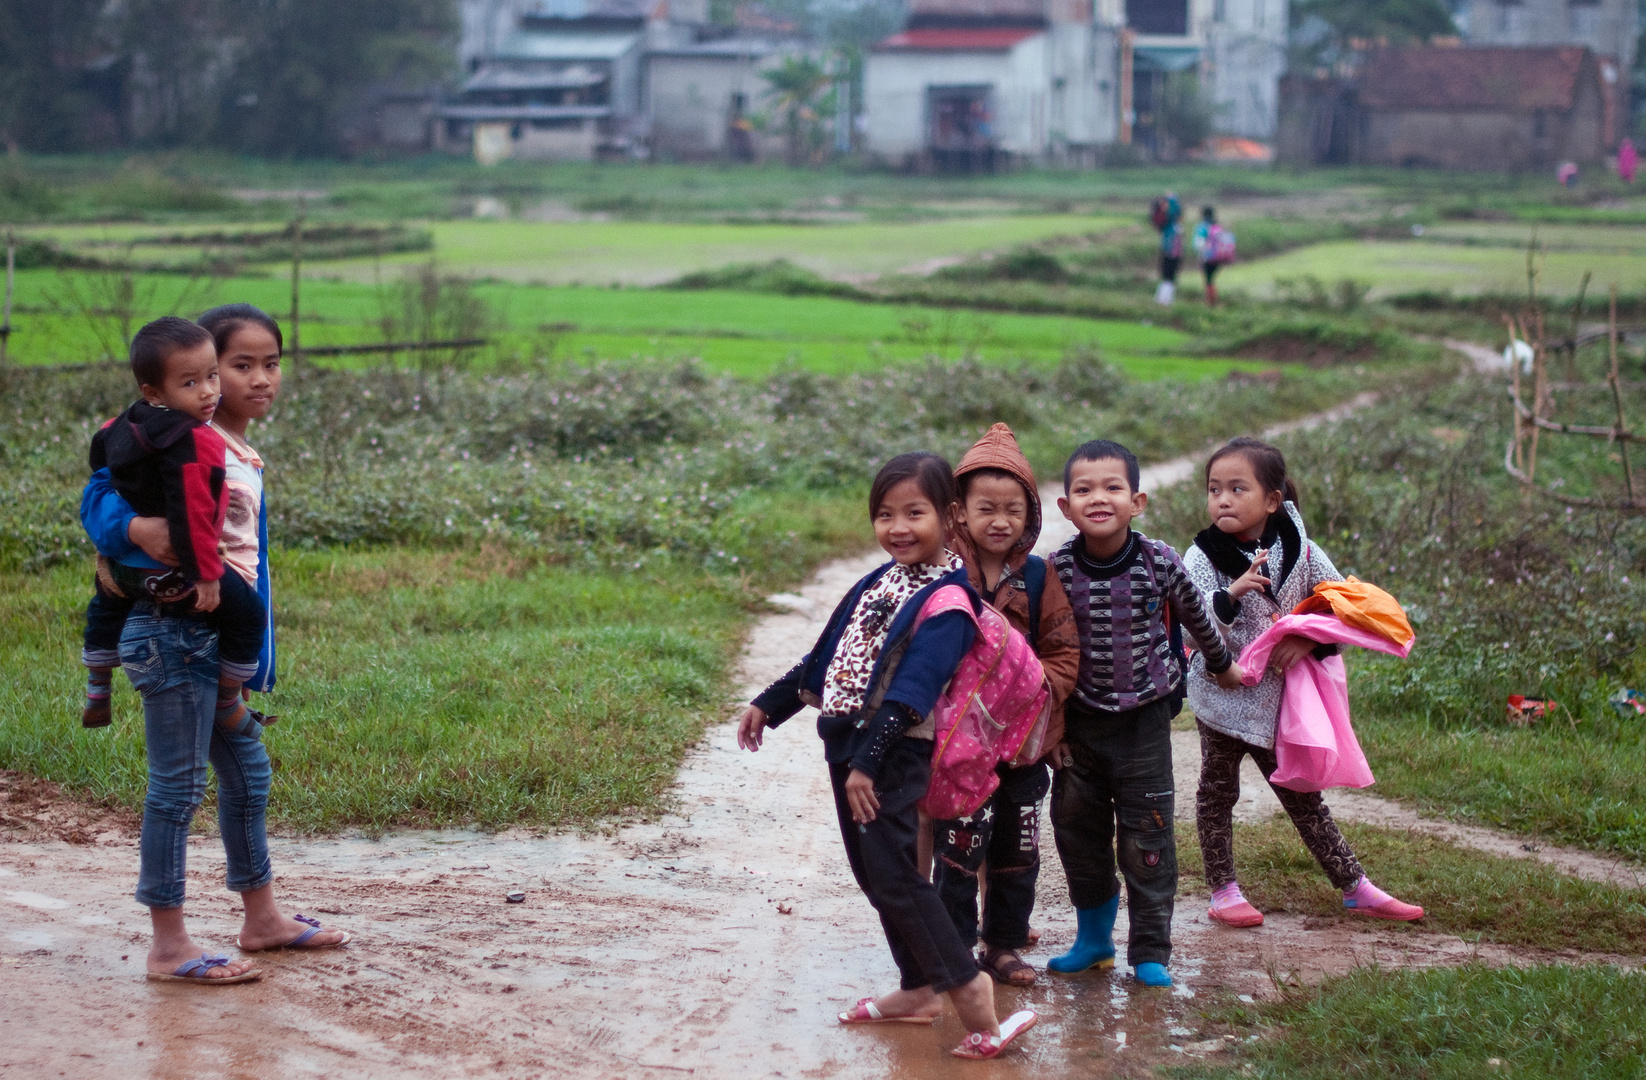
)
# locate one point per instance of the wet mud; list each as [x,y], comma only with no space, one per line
[719,941]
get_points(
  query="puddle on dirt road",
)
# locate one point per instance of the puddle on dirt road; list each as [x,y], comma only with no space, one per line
[718,942]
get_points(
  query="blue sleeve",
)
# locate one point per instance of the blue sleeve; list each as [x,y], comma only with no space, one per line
[106,516]
[934,653]
[781,699]
[263,681]
[930,662]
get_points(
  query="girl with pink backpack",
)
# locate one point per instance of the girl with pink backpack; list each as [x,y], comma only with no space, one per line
[878,675]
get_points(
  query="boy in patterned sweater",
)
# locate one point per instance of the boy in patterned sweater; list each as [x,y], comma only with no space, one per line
[1114,780]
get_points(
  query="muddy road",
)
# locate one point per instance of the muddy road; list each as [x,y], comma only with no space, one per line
[719,941]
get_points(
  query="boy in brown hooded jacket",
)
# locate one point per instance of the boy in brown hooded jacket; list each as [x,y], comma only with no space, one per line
[998,521]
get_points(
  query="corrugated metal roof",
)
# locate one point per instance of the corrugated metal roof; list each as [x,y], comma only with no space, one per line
[980,9]
[957,39]
[506,77]
[509,113]
[1520,79]
[566,45]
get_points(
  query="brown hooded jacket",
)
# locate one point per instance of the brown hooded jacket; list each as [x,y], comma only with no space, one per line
[1058,643]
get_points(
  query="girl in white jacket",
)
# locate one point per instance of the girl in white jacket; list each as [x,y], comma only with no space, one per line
[1255,563]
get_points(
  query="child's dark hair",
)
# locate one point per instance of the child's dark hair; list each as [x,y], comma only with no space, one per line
[157,341]
[964,483]
[1267,462]
[223,321]
[930,472]
[1102,450]
[1208,213]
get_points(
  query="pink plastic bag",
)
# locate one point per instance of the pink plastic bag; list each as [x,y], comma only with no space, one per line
[1315,742]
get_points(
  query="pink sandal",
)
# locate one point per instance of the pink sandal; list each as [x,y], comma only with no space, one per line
[980,1047]
[1367,899]
[865,1012]
[1231,908]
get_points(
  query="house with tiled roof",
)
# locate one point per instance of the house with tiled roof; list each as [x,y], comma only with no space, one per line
[1488,108]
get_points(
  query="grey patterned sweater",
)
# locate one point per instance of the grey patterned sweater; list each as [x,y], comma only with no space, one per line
[1250,713]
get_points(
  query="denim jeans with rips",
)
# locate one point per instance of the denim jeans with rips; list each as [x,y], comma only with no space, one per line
[172,663]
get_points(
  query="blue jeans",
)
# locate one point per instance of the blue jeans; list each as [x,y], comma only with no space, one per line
[172,662]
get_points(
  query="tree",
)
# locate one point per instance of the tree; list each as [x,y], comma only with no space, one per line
[1324,31]
[794,86]
[44,48]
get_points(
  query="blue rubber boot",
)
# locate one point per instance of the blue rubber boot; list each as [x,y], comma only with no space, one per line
[1093,941]
[1152,975]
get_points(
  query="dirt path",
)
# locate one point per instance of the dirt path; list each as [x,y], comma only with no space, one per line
[717,942]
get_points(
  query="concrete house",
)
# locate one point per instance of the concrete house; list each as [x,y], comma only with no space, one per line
[1499,109]
[972,83]
[563,84]
[1609,28]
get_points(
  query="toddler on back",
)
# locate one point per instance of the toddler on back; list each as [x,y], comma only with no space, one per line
[1255,563]
[165,460]
[1112,799]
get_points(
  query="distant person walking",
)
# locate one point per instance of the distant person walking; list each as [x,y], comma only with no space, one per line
[1216,247]
[1166,213]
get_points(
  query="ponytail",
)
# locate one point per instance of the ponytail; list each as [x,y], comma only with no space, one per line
[1267,462]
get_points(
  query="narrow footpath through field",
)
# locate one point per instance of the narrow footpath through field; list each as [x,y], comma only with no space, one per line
[718,942]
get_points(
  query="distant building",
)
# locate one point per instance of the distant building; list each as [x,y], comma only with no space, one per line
[701,96]
[1488,109]
[1609,28]
[969,82]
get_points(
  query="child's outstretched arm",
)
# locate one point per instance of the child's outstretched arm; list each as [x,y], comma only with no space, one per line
[771,707]
[1190,609]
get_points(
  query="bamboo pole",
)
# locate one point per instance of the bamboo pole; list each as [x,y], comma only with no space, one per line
[1539,381]
[1617,396]
[1516,334]
[1577,316]
[5,316]
[297,283]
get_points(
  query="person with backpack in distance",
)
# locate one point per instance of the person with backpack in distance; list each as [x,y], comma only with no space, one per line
[1112,797]
[876,674]
[1216,247]
[1255,563]
[1166,215]
[998,520]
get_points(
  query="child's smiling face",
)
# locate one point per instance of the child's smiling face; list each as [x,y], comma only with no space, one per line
[190,384]
[1101,504]
[908,526]
[1235,501]
[995,513]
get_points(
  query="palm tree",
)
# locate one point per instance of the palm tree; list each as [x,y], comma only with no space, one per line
[795,84]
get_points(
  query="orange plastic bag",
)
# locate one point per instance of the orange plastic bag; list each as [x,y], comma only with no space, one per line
[1360,604]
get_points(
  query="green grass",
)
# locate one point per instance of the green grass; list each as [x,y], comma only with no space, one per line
[1477,896]
[1395,267]
[419,689]
[747,334]
[1548,1022]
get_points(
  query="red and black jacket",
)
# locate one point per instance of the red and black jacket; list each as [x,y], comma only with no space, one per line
[165,463]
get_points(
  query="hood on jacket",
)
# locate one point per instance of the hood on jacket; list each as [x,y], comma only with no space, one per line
[998,449]
[142,430]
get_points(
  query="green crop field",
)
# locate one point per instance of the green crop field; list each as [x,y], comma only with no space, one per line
[1395,267]
[747,334]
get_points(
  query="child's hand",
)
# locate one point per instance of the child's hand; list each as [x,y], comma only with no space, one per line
[207,595]
[751,728]
[1231,679]
[860,797]
[1289,650]
[1252,580]
[1061,756]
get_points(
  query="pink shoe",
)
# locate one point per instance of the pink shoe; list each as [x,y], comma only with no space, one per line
[1230,908]
[1368,899]
[981,1047]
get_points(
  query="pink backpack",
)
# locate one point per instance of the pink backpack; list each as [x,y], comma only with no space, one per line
[993,709]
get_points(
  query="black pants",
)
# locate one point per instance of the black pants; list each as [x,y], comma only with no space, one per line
[1210,270]
[924,944]
[1005,833]
[1119,790]
[1168,267]
[240,618]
